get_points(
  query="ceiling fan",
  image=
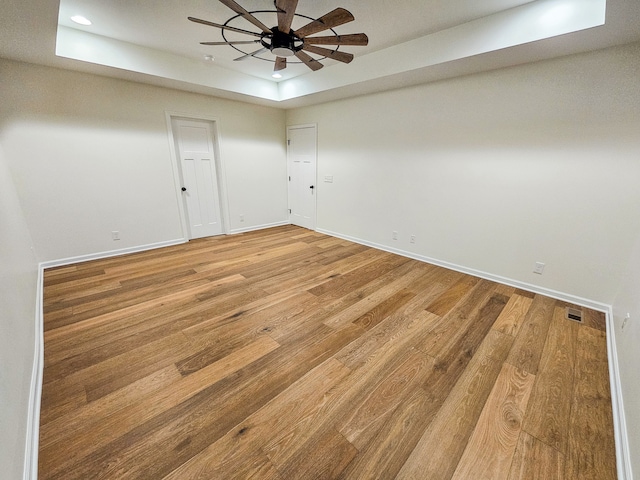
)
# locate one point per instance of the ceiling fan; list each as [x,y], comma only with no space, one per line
[283,42]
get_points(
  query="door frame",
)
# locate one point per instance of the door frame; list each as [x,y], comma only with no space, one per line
[177,172]
[315,197]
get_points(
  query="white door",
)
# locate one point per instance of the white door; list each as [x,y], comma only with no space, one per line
[301,154]
[194,145]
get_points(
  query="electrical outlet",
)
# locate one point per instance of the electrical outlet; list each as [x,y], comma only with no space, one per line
[115,235]
[538,268]
[626,319]
[412,239]
[394,235]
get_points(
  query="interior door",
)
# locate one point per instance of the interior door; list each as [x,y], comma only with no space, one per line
[301,154]
[200,190]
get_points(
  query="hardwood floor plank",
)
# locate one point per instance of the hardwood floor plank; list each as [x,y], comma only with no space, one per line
[91,437]
[365,419]
[353,391]
[385,308]
[186,428]
[454,325]
[115,333]
[337,286]
[594,319]
[287,354]
[451,428]
[528,345]
[388,450]
[534,460]
[511,318]
[384,288]
[325,455]
[89,414]
[591,453]
[491,447]
[548,417]
[453,295]
[226,458]
[70,275]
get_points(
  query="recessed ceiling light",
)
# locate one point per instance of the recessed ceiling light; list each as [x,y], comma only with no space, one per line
[276,75]
[209,58]
[80,20]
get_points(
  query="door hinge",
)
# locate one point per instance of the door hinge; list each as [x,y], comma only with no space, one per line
[289,177]
[288,142]
[289,211]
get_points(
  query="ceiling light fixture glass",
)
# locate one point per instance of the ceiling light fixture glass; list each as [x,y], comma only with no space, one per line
[80,20]
[276,75]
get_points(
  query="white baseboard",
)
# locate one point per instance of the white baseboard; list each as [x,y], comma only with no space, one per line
[30,470]
[258,227]
[583,302]
[111,253]
[623,452]
[623,459]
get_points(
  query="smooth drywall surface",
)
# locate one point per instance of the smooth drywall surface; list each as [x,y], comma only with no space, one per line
[628,340]
[18,281]
[91,155]
[495,171]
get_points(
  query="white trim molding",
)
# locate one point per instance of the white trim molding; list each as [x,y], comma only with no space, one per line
[623,452]
[258,227]
[30,470]
[111,253]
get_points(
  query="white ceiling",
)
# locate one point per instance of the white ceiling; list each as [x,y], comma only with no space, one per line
[410,41]
[164,25]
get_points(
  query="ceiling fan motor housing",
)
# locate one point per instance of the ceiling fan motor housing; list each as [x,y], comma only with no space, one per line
[282,44]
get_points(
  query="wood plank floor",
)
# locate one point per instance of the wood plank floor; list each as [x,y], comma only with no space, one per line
[286,354]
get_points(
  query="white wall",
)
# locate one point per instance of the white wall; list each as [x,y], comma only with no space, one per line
[92,154]
[18,280]
[495,171]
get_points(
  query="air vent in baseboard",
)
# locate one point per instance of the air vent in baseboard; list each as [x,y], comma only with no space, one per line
[574,314]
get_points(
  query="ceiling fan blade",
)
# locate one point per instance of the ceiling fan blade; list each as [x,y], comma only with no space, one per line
[356,39]
[238,9]
[281,64]
[334,54]
[252,54]
[309,61]
[336,17]
[286,11]
[248,42]
[226,27]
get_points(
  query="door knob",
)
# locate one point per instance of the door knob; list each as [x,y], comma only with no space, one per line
[184,189]
[311,187]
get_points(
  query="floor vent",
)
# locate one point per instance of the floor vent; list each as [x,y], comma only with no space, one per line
[574,314]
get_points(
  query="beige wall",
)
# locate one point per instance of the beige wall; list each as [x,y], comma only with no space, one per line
[18,280]
[91,154]
[495,171]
